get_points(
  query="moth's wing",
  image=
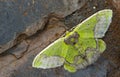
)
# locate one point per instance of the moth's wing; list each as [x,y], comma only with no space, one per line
[52,56]
[104,19]
[96,25]
[101,45]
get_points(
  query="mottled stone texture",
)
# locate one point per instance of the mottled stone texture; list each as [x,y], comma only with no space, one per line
[17,17]
[29,14]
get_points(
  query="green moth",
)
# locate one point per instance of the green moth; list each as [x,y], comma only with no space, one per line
[78,48]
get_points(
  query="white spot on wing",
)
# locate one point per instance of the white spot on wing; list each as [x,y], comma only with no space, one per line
[51,62]
[102,26]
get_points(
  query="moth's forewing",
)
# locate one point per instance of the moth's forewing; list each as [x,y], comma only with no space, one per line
[96,25]
[52,56]
[104,19]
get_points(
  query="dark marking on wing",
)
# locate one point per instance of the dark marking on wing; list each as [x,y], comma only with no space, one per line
[72,39]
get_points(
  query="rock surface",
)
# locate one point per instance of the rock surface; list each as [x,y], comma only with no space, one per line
[16,62]
[20,19]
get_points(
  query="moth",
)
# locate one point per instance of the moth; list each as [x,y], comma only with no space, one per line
[78,48]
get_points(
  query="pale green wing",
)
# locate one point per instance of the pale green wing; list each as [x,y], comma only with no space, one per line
[96,25]
[52,56]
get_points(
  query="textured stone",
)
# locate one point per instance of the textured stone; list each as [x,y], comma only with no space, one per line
[19,50]
[22,18]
